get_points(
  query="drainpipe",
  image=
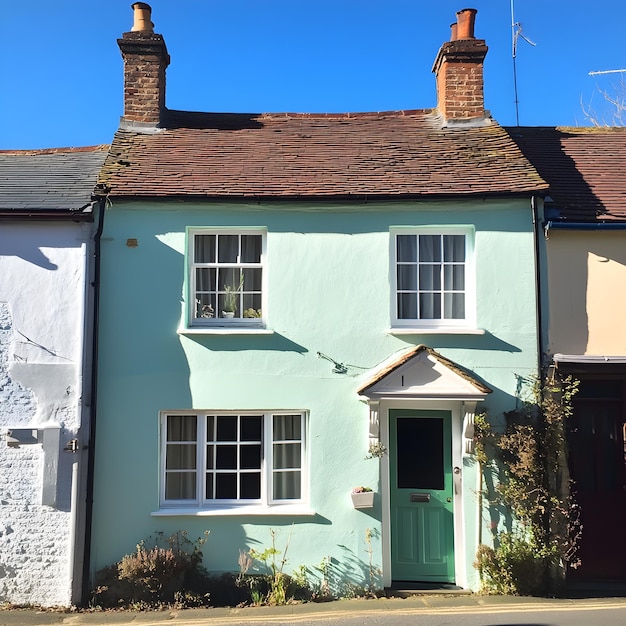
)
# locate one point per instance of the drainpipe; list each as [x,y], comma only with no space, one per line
[91,445]
[75,447]
[538,285]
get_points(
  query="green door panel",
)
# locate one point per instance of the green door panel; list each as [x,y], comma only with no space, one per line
[421,494]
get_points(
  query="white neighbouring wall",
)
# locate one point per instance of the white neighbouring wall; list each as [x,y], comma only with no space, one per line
[42,295]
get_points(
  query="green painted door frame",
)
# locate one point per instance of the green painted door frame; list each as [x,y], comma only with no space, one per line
[421,495]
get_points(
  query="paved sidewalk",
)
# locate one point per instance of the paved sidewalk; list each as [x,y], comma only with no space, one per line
[295,613]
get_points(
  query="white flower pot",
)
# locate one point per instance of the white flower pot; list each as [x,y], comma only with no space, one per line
[363,500]
[228,314]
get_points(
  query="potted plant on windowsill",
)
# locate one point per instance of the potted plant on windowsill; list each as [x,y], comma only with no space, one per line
[231,298]
[362,498]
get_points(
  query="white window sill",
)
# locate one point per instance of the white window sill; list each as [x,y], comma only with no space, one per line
[225,330]
[439,330]
[286,509]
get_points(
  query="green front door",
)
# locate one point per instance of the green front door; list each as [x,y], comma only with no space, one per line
[421,496]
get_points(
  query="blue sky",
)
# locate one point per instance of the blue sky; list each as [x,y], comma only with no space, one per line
[61,69]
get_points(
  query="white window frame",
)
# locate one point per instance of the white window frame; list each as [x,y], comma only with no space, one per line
[267,470]
[469,321]
[218,322]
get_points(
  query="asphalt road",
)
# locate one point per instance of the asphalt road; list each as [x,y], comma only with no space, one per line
[474,611]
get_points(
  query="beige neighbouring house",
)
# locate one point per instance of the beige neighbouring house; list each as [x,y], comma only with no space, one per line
[584,333]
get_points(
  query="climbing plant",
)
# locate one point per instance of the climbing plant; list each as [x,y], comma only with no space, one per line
[530,459]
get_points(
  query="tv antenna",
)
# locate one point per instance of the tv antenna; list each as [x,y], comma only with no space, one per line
[516,33]
[606,72]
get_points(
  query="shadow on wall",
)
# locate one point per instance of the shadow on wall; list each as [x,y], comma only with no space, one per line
[12,244]
[486,341]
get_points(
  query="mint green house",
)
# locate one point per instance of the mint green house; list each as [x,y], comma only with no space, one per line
[294,306]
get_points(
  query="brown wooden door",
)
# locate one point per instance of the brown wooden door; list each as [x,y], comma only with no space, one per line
[597,465]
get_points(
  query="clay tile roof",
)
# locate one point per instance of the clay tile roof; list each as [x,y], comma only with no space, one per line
[404,153]
[584,168]
[53,182]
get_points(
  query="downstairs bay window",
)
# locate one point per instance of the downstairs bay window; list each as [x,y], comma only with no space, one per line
[216,459]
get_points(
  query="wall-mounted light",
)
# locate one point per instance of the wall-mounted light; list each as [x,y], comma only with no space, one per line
[339,368]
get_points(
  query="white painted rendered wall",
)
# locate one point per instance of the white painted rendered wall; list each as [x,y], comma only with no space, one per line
[42,267]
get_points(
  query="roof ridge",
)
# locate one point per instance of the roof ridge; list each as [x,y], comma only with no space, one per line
[104,147]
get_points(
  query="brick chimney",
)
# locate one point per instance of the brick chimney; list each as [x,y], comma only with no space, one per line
[145,59]
[459,72]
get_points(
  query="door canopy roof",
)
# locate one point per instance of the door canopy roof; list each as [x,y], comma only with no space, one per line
[421,372]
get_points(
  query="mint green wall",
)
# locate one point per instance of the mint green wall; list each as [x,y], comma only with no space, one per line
[328,283]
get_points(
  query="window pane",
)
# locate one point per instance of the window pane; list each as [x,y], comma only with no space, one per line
[181,457]
[430,306]
[210,457]
[229,277]
[209,491]
[407,277]
[205,306]
[210,427]
[419,454]
[251,248]
[252,277]
[250,457]
[286,485]
[226,486]
[205,279]
[227,428]
[430,277]
[454,248]
[251,486]
[204,246]
[181,428]
[407,306]
[430,248]
[226,457]
[287,455]
[251,427]
[454,304]
[287,427]
[252,305]
[227,248]
[180,486]
[406,248]
[454,277]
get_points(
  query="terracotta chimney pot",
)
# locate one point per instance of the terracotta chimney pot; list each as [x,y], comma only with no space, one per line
[141,16]
[453,31]
[465,19]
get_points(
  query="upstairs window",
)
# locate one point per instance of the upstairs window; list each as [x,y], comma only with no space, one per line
[432,278]
[211,458]
[226,277]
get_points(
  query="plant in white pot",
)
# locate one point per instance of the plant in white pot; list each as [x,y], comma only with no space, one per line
[362,498]
[231,298]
